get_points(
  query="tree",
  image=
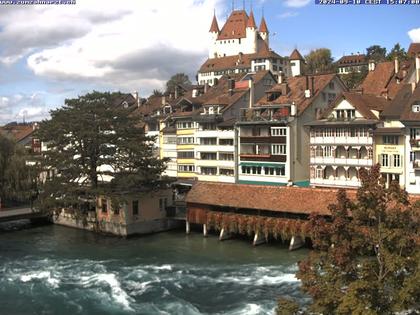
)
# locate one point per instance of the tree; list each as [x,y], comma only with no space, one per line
[96,148]
[353,79]
[397,52]
[17,178]
[366,259]
[319,61]
[157,92]
[376,53]
[176,79]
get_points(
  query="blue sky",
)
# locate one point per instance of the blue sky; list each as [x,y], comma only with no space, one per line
[49,53]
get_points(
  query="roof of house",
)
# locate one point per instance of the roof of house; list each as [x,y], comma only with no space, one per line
[237,61]
[414,49]
[363,103]
[271,198]
[295,55]
[263,26]
[396,107]
[297,87]
[214,26]
[352,60]
[235,26]
[407,113]
[18,132]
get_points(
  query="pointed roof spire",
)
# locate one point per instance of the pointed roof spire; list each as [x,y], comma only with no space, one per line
[214,26]
[263,26]
[295,55]
[251,21]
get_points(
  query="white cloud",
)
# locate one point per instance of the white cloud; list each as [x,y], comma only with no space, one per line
[415,35]
[287,14]
[20,107]
[90,41]
[296,3]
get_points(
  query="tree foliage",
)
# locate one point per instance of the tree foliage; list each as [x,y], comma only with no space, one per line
[95,148]
[376,53]
[366,260]
[319,61]
[18,180]
[157,92]
[397,52]
[353,79]
[176,79]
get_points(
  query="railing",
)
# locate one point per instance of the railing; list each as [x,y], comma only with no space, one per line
[341,140]
[335,182]
[342,161]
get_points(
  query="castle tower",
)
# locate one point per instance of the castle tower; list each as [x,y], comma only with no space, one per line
[263,31]
[214,33]
[251,33]
[296,63]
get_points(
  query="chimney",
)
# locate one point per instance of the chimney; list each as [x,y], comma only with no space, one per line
[396,65]
[293,109]
[251,92]
[413,86]
[231,86]
[307,90]
[371,65]
[206,87]
[281,78]
[285,88]
[312,86]
[176,92]
[418,68]
[136,96]
[163,100]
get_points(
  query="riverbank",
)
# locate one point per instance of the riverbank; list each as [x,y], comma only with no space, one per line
[54,269]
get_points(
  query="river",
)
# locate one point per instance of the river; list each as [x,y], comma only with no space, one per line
[58,270]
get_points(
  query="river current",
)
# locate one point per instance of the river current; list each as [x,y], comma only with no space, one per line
[58,270]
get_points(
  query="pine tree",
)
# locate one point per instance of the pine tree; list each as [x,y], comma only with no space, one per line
[96,148]
[366,259]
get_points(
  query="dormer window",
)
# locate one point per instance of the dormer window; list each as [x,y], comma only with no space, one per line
[211,110]
[125,104]
[416,108]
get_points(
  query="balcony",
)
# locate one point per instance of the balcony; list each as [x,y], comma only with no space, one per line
[334,182]
[263,139]
[263,157]
[342,161]
[342,140]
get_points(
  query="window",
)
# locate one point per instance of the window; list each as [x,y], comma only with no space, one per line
[319,173]
[135,207]
[331,85]
[226,172]
[185,154]
[208,126]
[208,141]
[185,168]
[225,141]
[351,113]
[185,140]
[396,160]
[226,156]
[162,203]
[390,139]
[414,133]
[208,156]
[209,170]
[169,140]
[184,125]
[278,149]
[416,108]
[278,131]
[251,170]
[274,171]
[340,113]
[104,205]
[384,160]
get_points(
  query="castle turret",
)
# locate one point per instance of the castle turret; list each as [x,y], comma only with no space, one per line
[251,33]
[263,31]
[296,63]
[214,33]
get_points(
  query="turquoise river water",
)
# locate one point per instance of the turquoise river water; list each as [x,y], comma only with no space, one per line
[58,270]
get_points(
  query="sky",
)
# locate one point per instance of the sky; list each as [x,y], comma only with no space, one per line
[50,53]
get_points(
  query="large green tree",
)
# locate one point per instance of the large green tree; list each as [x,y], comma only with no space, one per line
[397,52]
[18,179]
[319,61]
[96,148]
[177,79]
[366,259]
[353,79]
[376,53]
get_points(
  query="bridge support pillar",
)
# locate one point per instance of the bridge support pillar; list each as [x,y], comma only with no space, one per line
[205,230]
[258,239]
[296,242]
[224,235]
[187,227]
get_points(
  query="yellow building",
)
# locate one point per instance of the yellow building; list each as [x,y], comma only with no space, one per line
[185,144]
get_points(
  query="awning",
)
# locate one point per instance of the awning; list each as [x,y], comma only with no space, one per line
[262,164]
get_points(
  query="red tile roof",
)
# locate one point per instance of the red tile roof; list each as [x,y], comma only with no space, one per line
[214,26]
[295,55]
[263,26]
[297,87]
[377,80]
[414,49]
[251,21]
[235,26]
[407,113]
[352,60]
[272,198]
[17,132]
